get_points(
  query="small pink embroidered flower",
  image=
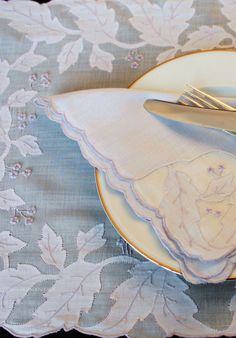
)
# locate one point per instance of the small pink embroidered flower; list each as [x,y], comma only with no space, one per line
[129,57]
[22,125]
[135,58]
[16,169]
[33,77]
[139,57]
[32,117]
[17,166]
[29,220]
[134,65]
[27,172]
[22,116]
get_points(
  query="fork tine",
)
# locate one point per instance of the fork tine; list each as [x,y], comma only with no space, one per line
[202,100]
[180,100]
[213,99]
[189,99]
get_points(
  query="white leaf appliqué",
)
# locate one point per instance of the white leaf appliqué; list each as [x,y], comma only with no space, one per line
[91,240]
[27,61]
[95,20]
[14,285]
[205,38]
[21,97]
[5,119]
[74,292]
[51,246]
[4,69]
[5,124]
[27,145]
[160,26]
[34,20]
[9,199]
[9,244]
[229,10]
[148,292]
[69,54]
[101,59]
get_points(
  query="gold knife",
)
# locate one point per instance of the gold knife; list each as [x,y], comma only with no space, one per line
[204,117]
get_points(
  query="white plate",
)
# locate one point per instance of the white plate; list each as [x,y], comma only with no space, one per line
[209,70]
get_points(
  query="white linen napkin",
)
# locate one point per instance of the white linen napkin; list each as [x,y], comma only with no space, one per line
[178,177]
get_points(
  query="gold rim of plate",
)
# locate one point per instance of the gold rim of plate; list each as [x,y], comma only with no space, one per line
[98,179]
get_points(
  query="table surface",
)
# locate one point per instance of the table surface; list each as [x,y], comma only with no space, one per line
[63,265]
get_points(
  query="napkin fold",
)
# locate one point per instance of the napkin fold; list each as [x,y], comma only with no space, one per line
[180,178]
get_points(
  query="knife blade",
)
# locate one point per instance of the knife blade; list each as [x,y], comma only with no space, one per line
[204,117]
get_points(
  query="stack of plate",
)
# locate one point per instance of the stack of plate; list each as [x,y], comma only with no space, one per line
[177,189]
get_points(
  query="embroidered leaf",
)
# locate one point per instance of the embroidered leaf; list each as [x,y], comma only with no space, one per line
[91,240]
[148,292]
[69,55]
[21,97]
[95,20]
[179,208]
[27,61]
[134,300]
[219,188]
[72,293]
[52,249]
[205,38]
[14,285]
[34,20]
[9,199]
[5,119]
[160,26]
[9,244]
[4,69]
[101,59]
[27,145]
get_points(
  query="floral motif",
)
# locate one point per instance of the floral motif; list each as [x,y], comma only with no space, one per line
[158,25]
[26,214]
[16,169]
[135,58]
[37,81]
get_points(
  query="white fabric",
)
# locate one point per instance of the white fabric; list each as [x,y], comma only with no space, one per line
[178,177]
